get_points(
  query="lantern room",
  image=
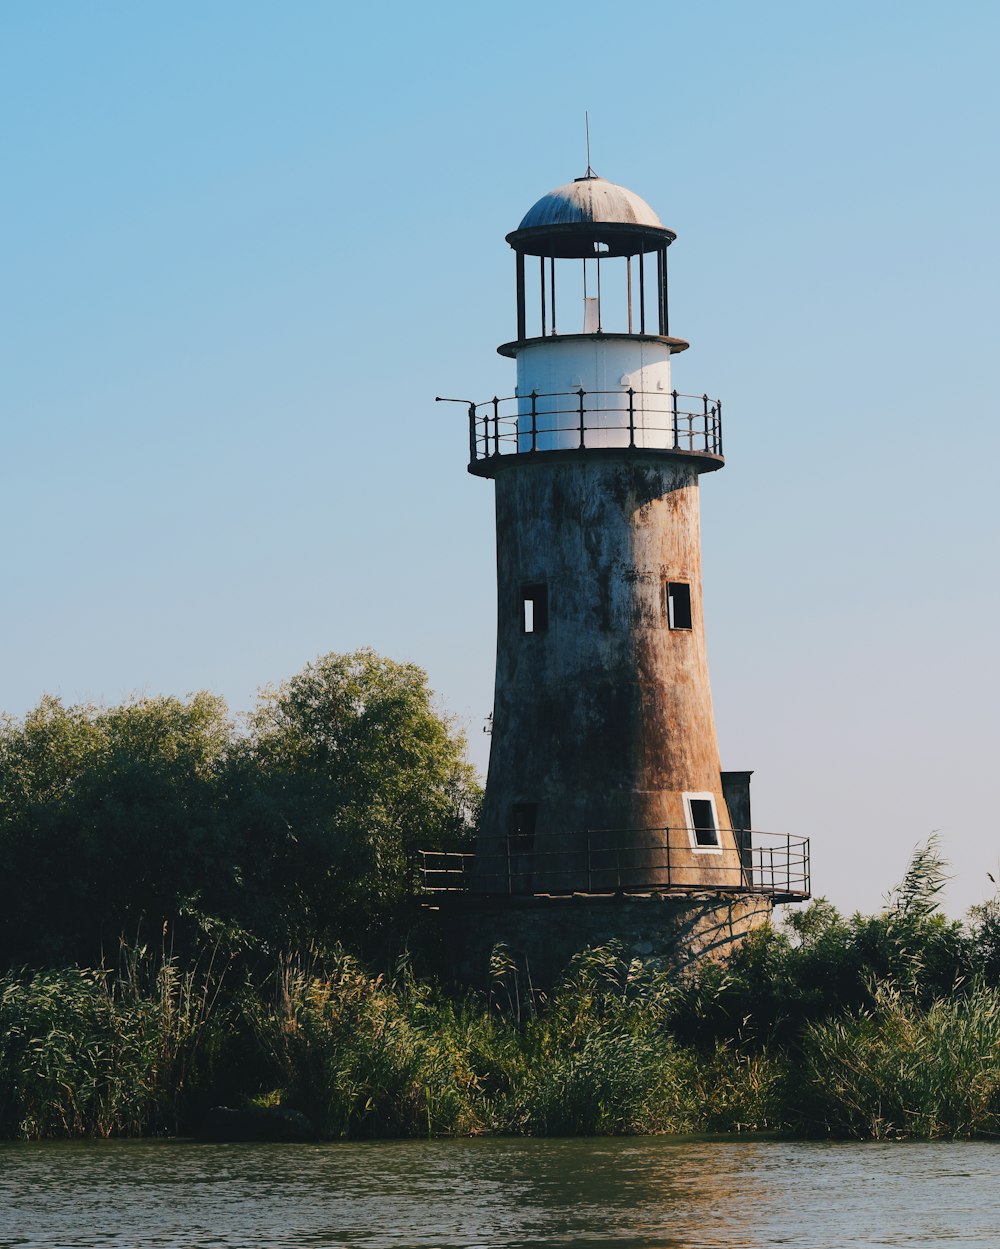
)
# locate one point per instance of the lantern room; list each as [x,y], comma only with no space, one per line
[598,243]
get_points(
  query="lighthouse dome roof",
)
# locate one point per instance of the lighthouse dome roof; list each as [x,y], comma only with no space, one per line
[589,216]
[589,201]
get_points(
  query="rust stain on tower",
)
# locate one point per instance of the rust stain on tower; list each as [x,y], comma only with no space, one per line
[607,813]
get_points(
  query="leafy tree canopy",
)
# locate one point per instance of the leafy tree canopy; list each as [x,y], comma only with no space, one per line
[347,771]
[124,821]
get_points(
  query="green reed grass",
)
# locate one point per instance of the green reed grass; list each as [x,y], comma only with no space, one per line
[900,1071]
[99,1052]
[363,1056]
[615,1048]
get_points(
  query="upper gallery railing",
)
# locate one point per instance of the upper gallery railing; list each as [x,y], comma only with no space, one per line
[580,420]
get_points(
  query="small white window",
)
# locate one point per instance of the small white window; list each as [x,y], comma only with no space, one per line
[702,823]
[534,608]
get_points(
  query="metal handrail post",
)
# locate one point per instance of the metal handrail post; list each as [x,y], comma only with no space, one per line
[534,420]
[704,400]
[583,441]
[676,429]
[590,866]
[631,417]
[496,426]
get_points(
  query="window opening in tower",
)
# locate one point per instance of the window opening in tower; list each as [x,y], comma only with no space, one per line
[678,604]
[534,608]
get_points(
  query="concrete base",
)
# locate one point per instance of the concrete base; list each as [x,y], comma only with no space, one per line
[667,932]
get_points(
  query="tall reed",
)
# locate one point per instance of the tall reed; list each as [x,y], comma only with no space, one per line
[615,1048]
[362,1056]
[901,1071]
[101,1052]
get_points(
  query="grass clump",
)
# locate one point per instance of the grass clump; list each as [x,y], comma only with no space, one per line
[597,1060]
[95,1053]
[903,1071]
[365,1057]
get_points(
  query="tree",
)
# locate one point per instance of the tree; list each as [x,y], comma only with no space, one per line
[118,822]
[346,772]
[109,822]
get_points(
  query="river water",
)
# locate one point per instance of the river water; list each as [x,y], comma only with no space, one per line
[381,1195]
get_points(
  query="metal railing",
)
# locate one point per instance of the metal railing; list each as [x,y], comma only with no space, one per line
[627,861]
[580,420]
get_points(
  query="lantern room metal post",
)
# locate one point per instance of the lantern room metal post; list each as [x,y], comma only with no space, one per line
[522,319]
[661,288]
[642,292]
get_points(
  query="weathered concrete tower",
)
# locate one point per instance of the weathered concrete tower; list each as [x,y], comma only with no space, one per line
[605,785]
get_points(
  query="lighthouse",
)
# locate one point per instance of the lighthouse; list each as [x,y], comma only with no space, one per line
[607,812]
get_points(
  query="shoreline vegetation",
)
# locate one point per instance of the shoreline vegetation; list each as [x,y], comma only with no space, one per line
[879,1027]
[263,872]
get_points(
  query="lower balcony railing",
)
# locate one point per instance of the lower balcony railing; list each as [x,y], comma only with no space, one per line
[656,860]
[582,420]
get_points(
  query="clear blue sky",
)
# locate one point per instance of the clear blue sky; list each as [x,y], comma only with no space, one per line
[245,244]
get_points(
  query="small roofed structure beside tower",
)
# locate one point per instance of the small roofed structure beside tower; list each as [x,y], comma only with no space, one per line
[607,813]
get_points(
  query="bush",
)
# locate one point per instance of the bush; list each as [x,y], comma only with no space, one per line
[822,964]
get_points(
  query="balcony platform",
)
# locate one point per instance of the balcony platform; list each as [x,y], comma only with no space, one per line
[667,424]
[642,863]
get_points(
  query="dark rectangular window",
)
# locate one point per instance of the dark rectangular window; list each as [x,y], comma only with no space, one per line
[703,822]
[522,827]
[679,605]
[534,608]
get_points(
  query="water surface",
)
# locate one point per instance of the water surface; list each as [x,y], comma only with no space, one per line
[383,1195]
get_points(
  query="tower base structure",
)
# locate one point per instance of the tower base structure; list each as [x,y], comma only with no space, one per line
[541,935]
